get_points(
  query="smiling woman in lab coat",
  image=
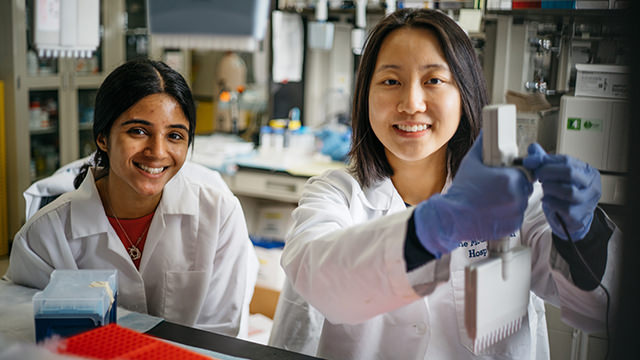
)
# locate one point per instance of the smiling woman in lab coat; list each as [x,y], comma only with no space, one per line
[180,245]
[379,250]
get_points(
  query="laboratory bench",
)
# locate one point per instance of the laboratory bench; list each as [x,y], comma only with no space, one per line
[220,343]
[256,172]
[17,327]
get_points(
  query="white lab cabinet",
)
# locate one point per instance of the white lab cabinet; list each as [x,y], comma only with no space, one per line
[595,130]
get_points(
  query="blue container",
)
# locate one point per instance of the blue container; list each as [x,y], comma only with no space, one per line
[558,4]
[75,301]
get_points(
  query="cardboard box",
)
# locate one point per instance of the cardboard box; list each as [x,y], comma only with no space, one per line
[608,81]
[264,301]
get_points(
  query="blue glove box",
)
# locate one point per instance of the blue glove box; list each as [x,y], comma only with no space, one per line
[75,301]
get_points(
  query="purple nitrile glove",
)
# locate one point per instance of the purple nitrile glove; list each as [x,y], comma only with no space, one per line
[483,203]
[571,189]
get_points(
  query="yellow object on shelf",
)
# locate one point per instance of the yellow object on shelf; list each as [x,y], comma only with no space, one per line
[281,123]
[4,231]
[205,123]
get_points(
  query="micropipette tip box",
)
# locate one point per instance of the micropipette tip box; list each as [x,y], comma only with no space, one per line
[75,301]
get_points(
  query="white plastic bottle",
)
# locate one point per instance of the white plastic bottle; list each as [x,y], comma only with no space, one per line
[266,141]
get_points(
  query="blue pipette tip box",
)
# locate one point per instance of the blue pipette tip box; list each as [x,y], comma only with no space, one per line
[75,301]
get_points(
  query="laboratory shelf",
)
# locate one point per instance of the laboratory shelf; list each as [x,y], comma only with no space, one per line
[552,15]
[41,82]
[44,131]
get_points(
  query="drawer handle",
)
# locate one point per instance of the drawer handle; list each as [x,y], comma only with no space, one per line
[276,186]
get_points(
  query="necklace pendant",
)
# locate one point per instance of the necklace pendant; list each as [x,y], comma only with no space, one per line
[134,252]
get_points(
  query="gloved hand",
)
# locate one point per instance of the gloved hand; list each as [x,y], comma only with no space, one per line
[571,189]
[483,203]
[335,143]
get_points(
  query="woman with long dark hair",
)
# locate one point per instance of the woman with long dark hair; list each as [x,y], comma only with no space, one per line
[180,245]
[379,250]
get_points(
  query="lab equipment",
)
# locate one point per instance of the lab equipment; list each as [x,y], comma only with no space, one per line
[294,115]
[285,142]
[75,301]
[231,81]
[116,342]
[497,288]
[67,28]
[359,33]
[438,220]
[321,31]
[557,173]
[595,130]
[210,25]
[597,80]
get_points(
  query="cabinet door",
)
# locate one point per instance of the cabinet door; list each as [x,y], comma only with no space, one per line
[86,103]
[37,66]
[44,132]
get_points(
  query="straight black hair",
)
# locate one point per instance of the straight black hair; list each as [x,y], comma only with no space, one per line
[368,160]
[124,87]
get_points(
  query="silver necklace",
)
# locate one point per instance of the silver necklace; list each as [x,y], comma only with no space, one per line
[133,251]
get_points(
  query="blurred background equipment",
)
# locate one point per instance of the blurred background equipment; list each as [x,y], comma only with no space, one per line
[594,130]
[231,81]
[67,28]
[218,25]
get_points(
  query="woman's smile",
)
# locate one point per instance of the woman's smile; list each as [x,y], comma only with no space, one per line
[412,130]
[149,169]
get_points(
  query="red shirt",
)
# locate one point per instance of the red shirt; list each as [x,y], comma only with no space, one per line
[135,228]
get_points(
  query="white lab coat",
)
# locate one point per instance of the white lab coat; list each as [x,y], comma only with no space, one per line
[344,255]
[198,267]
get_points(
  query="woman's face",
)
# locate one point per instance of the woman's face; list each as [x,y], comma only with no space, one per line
[414,102]
[147,145]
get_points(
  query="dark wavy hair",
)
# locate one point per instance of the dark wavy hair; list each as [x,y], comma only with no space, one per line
[124,87]
[368,160]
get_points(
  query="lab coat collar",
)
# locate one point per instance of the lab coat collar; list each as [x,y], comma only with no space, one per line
[382,195]
[86,209]
[88,217]
[179,197]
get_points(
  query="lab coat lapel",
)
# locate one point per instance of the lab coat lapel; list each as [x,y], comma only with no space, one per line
[178,198]
[382,196]
[89,219]
[87,213]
